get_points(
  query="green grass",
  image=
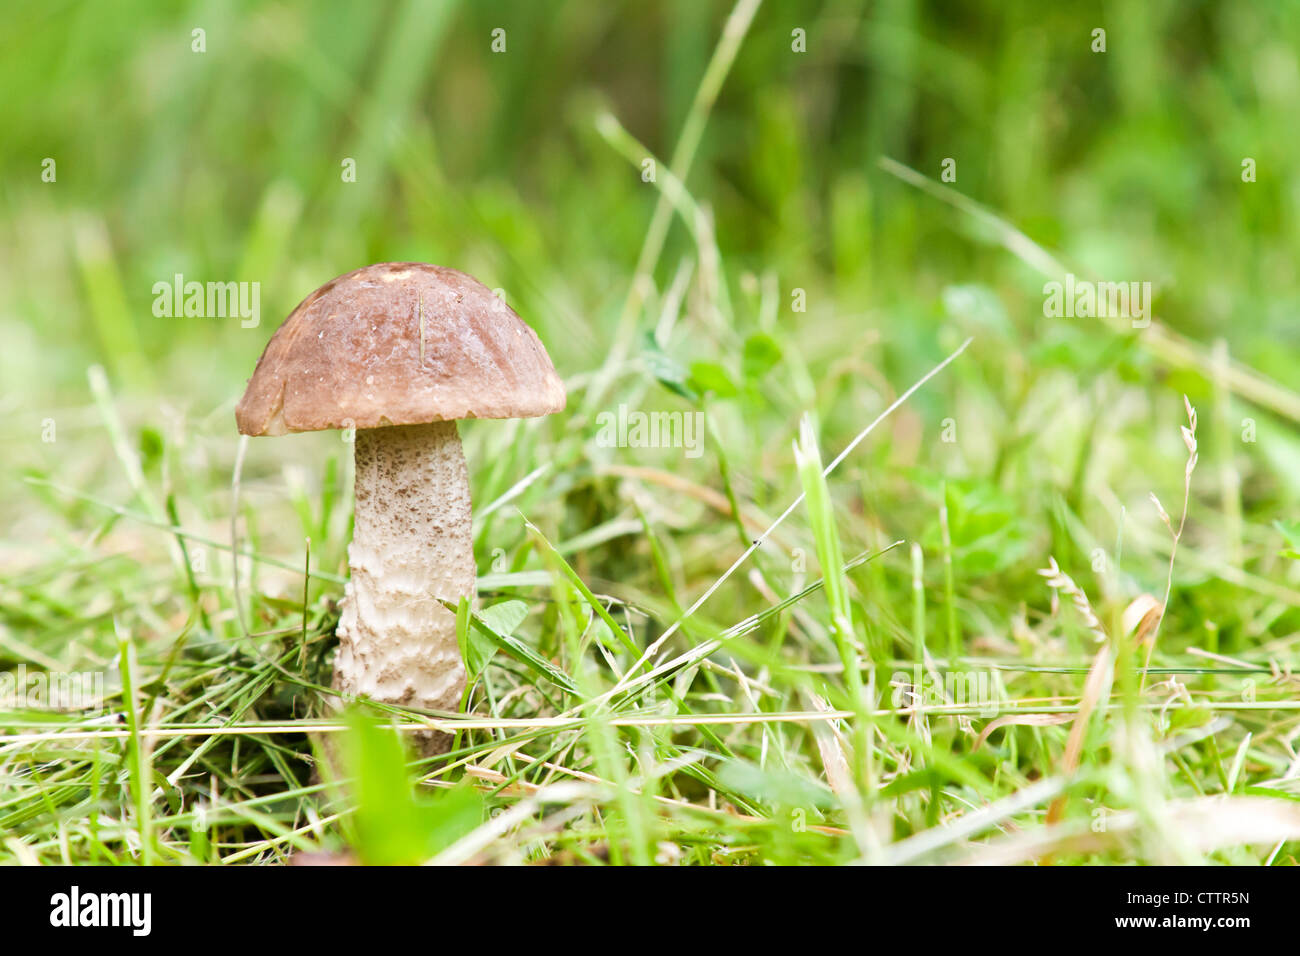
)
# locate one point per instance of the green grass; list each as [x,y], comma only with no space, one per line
[816,644]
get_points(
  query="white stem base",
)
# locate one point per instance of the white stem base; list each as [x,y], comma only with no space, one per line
[412,545]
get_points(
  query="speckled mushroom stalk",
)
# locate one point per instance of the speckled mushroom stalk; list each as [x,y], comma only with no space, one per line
[401,351]
[412,548]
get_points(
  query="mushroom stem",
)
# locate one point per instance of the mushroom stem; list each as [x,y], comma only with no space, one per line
[411,546]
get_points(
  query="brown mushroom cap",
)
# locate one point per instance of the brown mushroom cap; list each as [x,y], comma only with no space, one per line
[398,343]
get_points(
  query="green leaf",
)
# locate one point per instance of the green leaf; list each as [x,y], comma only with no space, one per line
[712,377]
[393,824]
[151,447]
[774,787]
[505,617]
[761,354]
[477,649]
[525,654]
[601,632]
[1183,718]
[667,370]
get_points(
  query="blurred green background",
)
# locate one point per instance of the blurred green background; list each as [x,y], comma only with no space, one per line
[226,164]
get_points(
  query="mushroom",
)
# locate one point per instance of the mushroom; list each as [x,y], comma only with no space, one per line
[399,351]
